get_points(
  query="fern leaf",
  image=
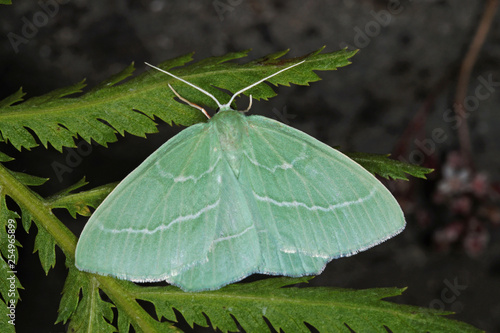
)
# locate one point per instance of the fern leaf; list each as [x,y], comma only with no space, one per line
[81,202]
[327,309]
[388,168]
[91,305]
[12,99]
[45,245]
[29,180]
[131,106]
[55,95]
[6,216]
[71,294]
[5,157]
[114,79]
[92,314]
[44,242]
[123,322]
[26,219]
[65,192]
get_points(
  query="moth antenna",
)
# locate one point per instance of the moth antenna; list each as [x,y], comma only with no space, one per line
[220,106]
[258,82]
[196,106]
[249,105]
[188,83]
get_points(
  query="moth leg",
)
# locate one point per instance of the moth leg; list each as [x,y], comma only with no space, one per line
[191,103]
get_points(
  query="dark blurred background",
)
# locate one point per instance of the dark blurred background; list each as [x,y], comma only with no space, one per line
[394,98]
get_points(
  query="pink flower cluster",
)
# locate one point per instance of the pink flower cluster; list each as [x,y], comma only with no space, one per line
[466,208]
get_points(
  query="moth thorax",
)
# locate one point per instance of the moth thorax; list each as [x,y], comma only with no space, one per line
[231,130]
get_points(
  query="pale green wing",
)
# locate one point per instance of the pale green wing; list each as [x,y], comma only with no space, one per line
[310,203]
[168,215]
[235,252]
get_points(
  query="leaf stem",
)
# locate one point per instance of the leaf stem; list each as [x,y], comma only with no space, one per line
[40,212]
[123,298]
[466,67]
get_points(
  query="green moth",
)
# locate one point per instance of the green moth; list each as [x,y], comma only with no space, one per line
[234,196]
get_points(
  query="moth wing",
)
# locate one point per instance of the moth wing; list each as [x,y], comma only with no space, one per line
[158,221]
[171,219]
[311,203]
[235,251]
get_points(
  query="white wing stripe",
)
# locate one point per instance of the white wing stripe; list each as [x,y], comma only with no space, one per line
[180,179]
[297,250]
[233,236]
[163,226]
[312,208]
[283,166]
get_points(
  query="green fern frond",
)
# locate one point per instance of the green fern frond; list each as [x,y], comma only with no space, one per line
[12,99]
[388,168]
[112,108]
[5,157]
[91,313]
[81,202]
[289,309]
